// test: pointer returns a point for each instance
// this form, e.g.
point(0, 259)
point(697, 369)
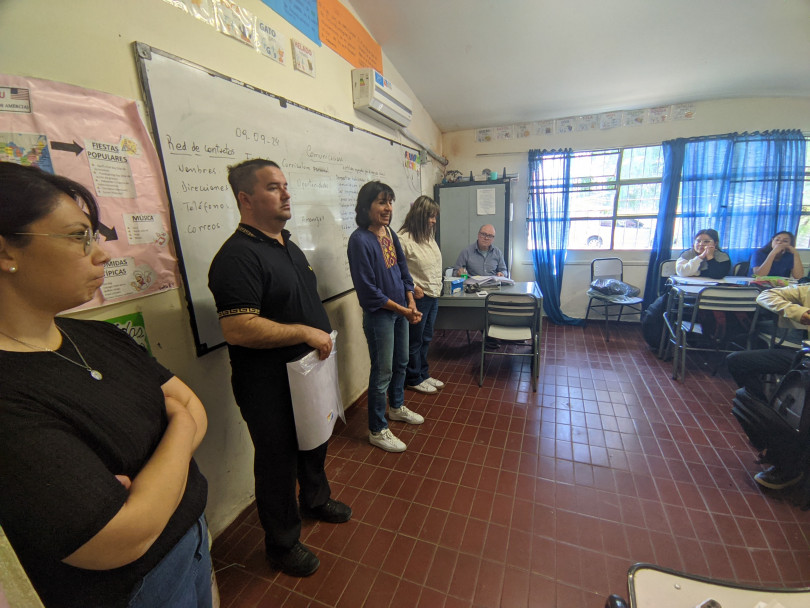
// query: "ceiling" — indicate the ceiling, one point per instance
point(482, 63)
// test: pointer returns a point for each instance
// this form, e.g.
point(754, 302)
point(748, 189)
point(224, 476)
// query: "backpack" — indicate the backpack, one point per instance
point(780, 429)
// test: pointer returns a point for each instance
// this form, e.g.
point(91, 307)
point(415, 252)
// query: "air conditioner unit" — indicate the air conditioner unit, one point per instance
point(376, 96)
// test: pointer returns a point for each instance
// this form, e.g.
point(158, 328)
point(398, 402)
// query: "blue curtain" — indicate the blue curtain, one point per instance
point(668, 203)
point(746, 186)
point(549, 186)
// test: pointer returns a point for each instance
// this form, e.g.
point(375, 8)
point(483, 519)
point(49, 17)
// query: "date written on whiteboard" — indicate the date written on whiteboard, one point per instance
point(257, 137)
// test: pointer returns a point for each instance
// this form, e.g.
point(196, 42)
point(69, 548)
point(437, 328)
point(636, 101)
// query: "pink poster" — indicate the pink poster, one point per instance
point(100, 141)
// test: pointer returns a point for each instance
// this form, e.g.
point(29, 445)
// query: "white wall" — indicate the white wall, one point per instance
point(713, 117)
point(88, 43)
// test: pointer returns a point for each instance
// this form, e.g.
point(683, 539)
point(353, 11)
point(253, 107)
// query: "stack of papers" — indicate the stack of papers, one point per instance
point(483, 281)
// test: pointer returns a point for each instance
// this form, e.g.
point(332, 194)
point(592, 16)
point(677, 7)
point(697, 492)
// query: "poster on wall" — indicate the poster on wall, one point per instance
point(100, 141)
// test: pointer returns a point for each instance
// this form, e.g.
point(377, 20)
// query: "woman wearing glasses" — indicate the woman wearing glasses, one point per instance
point(705, 258)
point(99, 494)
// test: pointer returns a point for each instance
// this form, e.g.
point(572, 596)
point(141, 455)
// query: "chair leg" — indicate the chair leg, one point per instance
point(607, 324)
point(483, 347)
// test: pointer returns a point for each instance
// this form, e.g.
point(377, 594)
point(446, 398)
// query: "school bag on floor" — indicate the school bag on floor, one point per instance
point(780, 428)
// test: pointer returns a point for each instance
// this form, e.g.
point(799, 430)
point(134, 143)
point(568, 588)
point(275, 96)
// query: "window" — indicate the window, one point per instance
point(614, 197)
point(803, 232)
point(613, 201)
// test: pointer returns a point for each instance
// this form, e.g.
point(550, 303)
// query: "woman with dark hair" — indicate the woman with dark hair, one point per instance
point(778, 258)
point(99, 493)
point(425, 264)
point(705, 258)
point(385, 290)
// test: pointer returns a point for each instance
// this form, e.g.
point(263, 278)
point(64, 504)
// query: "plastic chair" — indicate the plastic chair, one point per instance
point(684, 330)
point(666, 269)
point(514, 319)
point(610, 268)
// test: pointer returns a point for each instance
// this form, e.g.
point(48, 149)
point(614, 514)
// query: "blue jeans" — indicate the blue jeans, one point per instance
point(420, 336)
point(182, 579)
point(387, 337)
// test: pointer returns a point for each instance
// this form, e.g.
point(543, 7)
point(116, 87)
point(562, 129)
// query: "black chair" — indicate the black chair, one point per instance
point(610, 268)
point(740, 269)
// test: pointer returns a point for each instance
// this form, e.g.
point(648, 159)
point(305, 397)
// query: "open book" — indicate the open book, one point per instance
point(484, 282)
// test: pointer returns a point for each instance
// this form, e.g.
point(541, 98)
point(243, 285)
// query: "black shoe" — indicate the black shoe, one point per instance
point(298, 561)
point(775, 479)
point(332, 511)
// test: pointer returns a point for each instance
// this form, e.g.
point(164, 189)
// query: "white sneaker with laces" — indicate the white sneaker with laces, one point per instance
point(438, 384)
point(386, 440)
point(403, 414)
point(423, 387)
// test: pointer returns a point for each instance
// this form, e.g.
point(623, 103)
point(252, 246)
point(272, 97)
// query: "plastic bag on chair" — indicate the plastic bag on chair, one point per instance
point(615, 287)
point(315, 397)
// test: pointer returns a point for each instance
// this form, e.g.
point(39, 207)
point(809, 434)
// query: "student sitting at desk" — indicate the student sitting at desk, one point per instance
point(778, 258)
point(481, 258)
point(749, 367)
point(705, 258)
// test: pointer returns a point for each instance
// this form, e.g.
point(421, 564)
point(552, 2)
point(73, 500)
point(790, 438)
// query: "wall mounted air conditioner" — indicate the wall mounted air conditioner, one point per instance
point(376, 96)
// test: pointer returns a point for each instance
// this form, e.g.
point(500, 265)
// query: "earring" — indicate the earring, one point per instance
point(12, 269)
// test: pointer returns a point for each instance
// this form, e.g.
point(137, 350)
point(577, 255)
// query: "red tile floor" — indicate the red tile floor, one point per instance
point(511, 498)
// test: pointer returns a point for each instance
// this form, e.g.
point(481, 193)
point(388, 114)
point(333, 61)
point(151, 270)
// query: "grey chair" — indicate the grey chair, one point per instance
point(686, 332)
point(740, 269)
point(512, 319)
point(666, 269)
point(610, 268)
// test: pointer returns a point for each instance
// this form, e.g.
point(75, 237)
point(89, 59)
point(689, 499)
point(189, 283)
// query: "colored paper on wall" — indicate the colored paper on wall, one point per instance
point(344, 34)
point(303, 14)
point(134, 327)
point(100, 141)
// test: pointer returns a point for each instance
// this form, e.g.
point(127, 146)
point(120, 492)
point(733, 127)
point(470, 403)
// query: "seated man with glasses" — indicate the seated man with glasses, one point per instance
point(481, 258)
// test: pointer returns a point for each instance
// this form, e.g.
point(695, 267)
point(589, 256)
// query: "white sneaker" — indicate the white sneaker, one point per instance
point(403, 414)
point(423, 387)
point(433, 382)
point(386, 440)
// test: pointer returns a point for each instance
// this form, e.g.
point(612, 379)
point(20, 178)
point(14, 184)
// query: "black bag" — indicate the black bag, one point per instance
point(652, 321)
point(614, 287)
point(780, 429)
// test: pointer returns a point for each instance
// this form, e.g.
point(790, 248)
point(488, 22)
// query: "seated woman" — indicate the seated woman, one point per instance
point(99, 493)
point(705, 258)
point(778, 258)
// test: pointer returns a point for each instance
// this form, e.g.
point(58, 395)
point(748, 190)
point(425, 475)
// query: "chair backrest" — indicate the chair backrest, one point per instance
point(513, 310)
point(607, 268)
point(666, 269)
point(728, 298)
point(740, 269)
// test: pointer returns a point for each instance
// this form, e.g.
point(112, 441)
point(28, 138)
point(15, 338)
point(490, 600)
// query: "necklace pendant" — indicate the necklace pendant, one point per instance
point(95, 374)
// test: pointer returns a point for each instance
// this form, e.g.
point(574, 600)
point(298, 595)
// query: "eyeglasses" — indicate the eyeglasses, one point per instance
point(484, 235)
point(86, 237)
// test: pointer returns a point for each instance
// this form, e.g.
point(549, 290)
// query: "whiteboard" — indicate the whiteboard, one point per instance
point(205, 121)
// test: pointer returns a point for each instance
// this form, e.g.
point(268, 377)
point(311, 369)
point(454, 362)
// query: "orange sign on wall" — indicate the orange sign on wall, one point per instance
point(341, 32)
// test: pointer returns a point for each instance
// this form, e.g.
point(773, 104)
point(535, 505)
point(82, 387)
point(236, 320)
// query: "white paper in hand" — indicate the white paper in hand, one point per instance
point(315, 396)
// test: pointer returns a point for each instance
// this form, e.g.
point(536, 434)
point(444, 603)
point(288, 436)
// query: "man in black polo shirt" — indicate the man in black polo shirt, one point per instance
point(270, 312)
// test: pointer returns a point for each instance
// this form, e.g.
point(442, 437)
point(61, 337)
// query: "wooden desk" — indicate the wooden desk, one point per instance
point(466, 310)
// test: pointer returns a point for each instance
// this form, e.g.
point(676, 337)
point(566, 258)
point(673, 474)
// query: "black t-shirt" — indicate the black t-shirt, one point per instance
point(63, 438)
point(255, 274)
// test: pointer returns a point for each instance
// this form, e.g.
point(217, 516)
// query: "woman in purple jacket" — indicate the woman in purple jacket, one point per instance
point(385, 291)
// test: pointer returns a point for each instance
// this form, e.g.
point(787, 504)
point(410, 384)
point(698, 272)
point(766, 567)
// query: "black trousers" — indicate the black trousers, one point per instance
point(748, 367)
point(278, 465)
